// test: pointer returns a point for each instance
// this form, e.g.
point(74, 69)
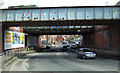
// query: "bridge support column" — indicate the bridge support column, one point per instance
point(1, 35)
point(88, 40)
point(114, 35)
point(1, 38)
point(32, 40)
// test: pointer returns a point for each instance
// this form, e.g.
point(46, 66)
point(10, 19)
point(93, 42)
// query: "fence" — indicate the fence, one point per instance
point(9, 56)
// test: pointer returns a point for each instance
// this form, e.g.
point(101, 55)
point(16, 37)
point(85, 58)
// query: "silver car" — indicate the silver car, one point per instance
point(50, 46)
point(85, 53)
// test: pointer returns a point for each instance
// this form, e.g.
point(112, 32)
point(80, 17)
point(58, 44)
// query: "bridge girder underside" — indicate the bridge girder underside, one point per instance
point(59, 23)
point(59, 31)
point(67, 31)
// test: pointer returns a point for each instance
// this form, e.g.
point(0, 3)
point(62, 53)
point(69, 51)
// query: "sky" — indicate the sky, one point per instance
point(58, 3)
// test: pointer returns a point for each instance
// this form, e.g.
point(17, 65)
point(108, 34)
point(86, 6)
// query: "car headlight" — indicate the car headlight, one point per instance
point(94, 54)
point(90, 55)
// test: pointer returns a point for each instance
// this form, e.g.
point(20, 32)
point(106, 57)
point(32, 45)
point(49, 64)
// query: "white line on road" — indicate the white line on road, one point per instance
point(27, 66)
point(58, 53)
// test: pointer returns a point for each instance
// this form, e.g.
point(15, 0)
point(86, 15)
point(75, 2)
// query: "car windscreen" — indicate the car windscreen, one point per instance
point(86, 50)
point(73, 43)
point(64, 43)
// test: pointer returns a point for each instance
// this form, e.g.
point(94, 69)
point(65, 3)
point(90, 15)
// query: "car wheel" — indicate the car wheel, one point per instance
point(83, 57)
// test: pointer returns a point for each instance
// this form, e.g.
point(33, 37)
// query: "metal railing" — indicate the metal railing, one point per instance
point(8, 56)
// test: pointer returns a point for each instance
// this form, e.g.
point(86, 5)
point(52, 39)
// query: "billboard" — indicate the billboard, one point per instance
point(14, 39)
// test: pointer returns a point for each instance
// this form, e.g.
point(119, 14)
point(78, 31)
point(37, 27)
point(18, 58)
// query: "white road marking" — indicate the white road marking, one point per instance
point(58, 53)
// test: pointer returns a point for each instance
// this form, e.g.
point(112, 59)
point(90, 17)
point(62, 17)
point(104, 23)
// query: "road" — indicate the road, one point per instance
point(67, 61)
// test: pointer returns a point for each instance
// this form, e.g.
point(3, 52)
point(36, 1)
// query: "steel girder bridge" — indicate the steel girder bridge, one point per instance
point(64, 20)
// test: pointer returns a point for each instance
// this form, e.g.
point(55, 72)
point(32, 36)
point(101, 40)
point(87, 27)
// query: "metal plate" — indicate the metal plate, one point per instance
point(90, 14)
point(45, 14)
point(98, 13)
point(10, 15)
point(19, 16)
point(81, 13)
point(36, 14)
point(27, 14)
point(53, 14)
point(62, 14)
point(72, 14)
point(4, 15)
point(108, 13)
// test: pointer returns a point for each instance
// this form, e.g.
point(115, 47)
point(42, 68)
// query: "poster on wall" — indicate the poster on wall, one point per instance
point(14, 39)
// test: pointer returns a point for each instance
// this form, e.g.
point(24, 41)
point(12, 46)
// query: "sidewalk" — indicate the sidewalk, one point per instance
point(16, 62)
point(18, 65)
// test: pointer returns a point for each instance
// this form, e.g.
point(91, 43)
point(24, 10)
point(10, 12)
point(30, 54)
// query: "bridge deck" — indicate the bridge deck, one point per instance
point(60, 14)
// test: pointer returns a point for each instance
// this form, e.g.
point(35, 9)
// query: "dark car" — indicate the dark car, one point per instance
point(85, 53)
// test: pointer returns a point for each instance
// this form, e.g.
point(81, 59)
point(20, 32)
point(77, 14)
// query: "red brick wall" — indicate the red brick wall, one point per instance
point(107, 39)
point(101, 39)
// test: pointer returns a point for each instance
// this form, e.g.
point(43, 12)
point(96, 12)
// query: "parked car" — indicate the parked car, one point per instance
point(85, 53)
point(49, 46)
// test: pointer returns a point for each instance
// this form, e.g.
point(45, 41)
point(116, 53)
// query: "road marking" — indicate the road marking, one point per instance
point(58, 53)
point(27, 66)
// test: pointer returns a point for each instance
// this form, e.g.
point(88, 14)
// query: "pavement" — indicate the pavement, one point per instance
point(17, 63)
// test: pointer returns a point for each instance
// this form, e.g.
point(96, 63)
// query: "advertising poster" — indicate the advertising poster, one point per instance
point(14, 39)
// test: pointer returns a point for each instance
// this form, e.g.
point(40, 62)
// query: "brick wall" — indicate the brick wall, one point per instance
point(107, 37)
point(104, 38)
point(101, 39)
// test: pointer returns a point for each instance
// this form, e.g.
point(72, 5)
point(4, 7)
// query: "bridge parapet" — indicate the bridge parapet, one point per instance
point(62, 13)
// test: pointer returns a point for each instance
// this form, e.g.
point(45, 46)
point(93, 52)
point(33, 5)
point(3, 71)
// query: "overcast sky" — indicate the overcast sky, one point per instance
point(54, 3)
